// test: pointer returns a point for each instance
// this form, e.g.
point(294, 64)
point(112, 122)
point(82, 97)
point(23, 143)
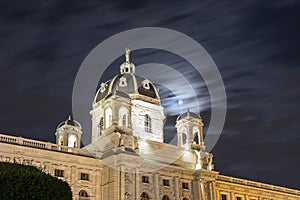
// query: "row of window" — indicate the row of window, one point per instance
point(71, 141)
point(123, 81)
point(225, 197)
point(166, 182)
point(60, 173)
point(145, 196)
point(123, 122)
point(183, 135)
point(145, 179)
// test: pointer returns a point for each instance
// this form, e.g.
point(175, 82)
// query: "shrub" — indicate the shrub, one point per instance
point(27, 182)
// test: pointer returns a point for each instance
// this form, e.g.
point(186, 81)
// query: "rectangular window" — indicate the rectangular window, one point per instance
point(84, 176)
point(223, 197)
point(185, 185)
point(59, 173)
point(145, 179)
point(238, 198)
point(166, 182)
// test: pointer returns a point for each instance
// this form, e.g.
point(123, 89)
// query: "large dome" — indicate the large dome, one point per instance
point(126, 85)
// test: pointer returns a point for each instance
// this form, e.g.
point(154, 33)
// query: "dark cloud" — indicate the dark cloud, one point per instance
point(255, 44)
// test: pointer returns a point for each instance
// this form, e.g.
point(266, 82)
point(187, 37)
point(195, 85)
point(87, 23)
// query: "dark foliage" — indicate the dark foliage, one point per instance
point(27, 182)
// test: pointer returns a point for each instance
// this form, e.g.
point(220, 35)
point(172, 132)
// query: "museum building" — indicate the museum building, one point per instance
point(127, 158)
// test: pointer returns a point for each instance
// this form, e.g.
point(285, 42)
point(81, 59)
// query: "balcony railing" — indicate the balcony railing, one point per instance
point(257, 184)
point(43, 145)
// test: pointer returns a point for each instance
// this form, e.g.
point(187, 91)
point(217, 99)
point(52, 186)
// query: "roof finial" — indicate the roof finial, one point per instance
point(127, 55)
point(127, 66)
point(69, 117)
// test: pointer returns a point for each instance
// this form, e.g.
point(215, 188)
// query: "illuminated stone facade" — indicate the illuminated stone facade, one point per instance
point(127, 158)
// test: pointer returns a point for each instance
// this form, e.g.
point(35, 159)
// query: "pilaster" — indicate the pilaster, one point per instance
point(98, 184)
point(156, 182)
point(122, 183)
point(176, 187)
point(232, 196)
point(137, 184)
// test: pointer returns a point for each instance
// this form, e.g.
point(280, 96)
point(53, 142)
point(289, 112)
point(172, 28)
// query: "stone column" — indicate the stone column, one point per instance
point(190, 135)
point(213, 187)
point(217, 195)
point(202, 189)
point(209, 185)
point(115, 113)
point(129, 117)
point(179, 138)
point(199, 137)
point(196, 189)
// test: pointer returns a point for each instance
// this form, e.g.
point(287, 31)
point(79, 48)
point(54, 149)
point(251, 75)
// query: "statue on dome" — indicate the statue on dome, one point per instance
point(127, 55)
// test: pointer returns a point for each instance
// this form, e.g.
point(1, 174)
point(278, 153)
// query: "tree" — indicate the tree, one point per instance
point(28, 182)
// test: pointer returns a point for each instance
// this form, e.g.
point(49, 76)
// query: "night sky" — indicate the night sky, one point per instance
point(255, 45)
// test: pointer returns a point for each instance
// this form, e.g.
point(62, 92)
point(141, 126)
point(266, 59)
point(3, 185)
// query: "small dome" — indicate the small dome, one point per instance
point(70, 122)
point(188, 114)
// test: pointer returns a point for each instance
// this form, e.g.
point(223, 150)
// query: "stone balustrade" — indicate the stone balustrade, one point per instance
point(43, 145)
point(257, 184)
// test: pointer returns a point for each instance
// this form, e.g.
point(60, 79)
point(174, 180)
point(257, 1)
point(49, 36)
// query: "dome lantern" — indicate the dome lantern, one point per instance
point(127, 66)
point(68, 133)
point(190, 130)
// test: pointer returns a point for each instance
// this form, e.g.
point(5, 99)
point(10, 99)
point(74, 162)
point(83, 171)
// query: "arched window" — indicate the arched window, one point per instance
point(100, 126)
point(196, 135)
point(123, 82)
point(184, 139)
point(83, 195)
point(146, 84)
point(123, 117)
point(196, 139)
point(72, 141)
point(144, 196)
point(182, 136)
point(147, 124)
point(165, 197)
point(108, 117)
point(185, 198)
point(60, 140)
point(124, 120)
